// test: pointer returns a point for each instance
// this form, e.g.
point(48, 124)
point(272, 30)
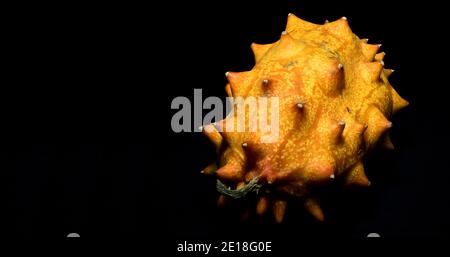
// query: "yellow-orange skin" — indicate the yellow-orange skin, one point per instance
point(345, 102)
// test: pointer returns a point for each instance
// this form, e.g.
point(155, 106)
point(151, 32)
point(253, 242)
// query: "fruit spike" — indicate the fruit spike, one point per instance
point(335, 103)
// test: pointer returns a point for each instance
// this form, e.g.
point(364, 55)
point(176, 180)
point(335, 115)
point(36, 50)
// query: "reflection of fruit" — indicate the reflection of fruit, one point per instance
point(334, 99)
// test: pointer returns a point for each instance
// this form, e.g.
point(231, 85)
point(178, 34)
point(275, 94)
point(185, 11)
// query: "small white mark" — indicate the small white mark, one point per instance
point(332, 176)
point(289, 14)
point(379, 45)
point(265, 82)
point(284, 32)
point(373, 235)
point(73, 235)
point(344, 18)
point(382, 63)
point(341, 123)
point(227, 73)
point(202, 172)
point(340, 65)
point(244, 145)
point(200, 128)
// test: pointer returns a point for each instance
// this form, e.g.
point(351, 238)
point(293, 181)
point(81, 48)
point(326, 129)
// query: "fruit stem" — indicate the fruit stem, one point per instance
point(252, 186)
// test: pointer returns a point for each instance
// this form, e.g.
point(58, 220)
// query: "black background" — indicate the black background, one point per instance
point(87, 145)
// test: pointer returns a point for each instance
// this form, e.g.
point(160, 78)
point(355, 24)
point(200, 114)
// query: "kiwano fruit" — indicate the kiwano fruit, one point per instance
point(334, 104)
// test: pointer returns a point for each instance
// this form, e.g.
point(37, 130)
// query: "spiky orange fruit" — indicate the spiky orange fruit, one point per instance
point(334, 99)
